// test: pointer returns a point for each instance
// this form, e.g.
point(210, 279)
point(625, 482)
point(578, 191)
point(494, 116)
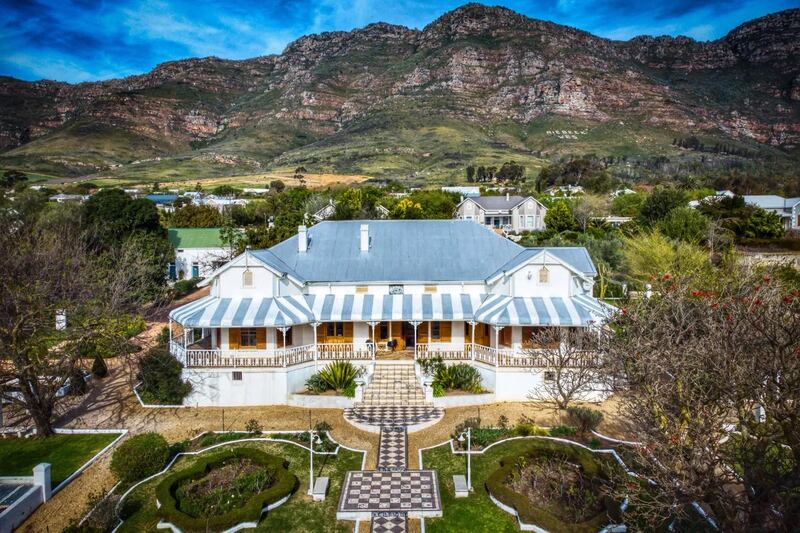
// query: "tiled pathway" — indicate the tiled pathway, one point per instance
point(391, 494)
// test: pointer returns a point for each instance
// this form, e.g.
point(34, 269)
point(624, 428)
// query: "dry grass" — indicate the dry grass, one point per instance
point(262, 180)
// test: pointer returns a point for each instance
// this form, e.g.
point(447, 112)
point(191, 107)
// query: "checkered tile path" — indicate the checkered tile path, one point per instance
point(393, 415)
point(373, 491)
point(392, 449)
point(389, 523)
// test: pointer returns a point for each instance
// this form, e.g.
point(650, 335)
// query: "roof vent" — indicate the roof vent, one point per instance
point(364, 238)
point(302, 239)
point(508, 197)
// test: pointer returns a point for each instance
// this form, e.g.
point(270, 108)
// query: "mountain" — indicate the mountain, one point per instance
point(480, 84)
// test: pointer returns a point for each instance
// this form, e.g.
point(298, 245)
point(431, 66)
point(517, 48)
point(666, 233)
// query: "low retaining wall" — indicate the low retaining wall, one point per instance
point(21, 509)
point(462, 400)
point(312, 401)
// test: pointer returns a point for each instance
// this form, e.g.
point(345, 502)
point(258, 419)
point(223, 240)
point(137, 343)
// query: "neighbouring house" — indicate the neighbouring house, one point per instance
point(465, 191)
point(219, 203)
point(365, 291)
point(716, 197)
point(163, 201)
point(61, 198)
point(564, 190)
point(198, 252)
point(786, 208)
point(621, 192)
point(329, 210)
point(511, 213)
point(614, 221)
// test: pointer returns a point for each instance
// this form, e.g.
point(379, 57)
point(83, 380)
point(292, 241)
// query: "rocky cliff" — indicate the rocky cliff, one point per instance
point(473, 68)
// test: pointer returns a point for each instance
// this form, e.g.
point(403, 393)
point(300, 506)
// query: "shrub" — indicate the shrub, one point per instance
point(253, 426)
point(339, 374)
point(140, 456)
point(459, 377)
point(563, 431)
point(502, 422)
point(430, 366)
point(77, 383)
point(526, 429)
point(531, 514)
point(322, 427)
point(584, 418)
point(350, 390)
point(185, 286)
point(438, 390)
point(284, 483)
point(316, 384)
point(99, 367)
point(160, 374)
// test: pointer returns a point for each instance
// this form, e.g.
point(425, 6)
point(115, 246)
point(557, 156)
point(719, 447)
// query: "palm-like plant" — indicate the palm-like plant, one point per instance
point(339, 374)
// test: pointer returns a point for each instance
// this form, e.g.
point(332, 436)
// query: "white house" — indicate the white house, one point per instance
point(198, 252)
point(359, 290)
point(465, 191)
point(512, 213)
point(786, 208)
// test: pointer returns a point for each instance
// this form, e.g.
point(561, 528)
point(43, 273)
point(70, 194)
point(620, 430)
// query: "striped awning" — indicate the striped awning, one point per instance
point(210, 312)
point(407, 307)
point(534, 311)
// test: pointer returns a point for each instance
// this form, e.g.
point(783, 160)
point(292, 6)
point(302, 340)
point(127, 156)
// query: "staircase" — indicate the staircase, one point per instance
point(394, 384)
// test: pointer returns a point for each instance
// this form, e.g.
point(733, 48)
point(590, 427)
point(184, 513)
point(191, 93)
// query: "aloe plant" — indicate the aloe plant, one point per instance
point(339, 374)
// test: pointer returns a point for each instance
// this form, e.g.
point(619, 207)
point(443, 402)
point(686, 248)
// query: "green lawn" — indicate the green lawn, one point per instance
point(66, 453)
point(299, 514)
point(475, 512)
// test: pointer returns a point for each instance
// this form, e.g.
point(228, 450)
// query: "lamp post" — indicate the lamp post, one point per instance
point(468, 433)
point(313, 439)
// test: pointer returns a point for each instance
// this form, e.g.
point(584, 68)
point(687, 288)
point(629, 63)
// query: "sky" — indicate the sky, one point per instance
point(86, 40)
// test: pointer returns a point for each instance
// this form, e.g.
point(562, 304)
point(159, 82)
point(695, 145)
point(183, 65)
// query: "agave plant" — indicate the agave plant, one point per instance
point(339, 374)
point(461, 377)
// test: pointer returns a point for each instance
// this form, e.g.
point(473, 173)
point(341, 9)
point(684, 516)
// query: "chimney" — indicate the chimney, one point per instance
point(508, 197)
point(302, 239)
point(364, 238)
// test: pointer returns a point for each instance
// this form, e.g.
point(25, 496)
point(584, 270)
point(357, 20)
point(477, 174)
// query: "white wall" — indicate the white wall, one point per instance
point(516, 384)
point(205, 257)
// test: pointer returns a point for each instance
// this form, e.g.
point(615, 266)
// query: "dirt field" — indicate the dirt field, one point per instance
point(262, 180)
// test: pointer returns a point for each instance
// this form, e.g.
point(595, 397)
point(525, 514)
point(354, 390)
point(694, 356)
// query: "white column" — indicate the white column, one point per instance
point(314, 326)
point(497, 345)
point(472, 327)
point(415, 324)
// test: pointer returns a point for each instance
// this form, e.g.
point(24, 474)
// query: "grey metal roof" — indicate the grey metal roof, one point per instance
point(498, 202)
point(575, 256)
point(770, 201)
point(405, 250)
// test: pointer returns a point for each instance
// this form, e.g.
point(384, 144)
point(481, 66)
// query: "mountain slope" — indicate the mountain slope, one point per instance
point(479, 84)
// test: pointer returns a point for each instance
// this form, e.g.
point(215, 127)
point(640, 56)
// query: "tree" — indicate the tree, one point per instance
point(481, 174)
point(762, 224)
point(196, 216)
point(47, 269)
point(659, 203)
point(225, 190)
point(277, 186)
point(559, 218)
point(569, 359)
point(511, 171)
point(114, 216)
point(588, 207)
point(627, 205)
point(650, 256)
point(701, 357)
point(470, 173)
point(11, 178)
point(684, 224)
point(407, 208)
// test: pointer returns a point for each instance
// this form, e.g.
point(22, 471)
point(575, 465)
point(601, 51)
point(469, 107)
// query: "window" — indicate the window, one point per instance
point(236, 375)
point(247, 278)
point(247, 338)
point(530, 223)
point(544, 275)
point(195, 270)
point(384, 331)
point(173, 272)
point(521, 221)
point(469, 217)
point(436, 330)
point(335, 329)
point(549, 375)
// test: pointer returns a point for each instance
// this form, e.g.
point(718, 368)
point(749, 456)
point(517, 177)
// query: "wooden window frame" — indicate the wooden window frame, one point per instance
point(544, 275)
point(246, 332)
point(436, 331)
point(237, 375)
point(247, 279)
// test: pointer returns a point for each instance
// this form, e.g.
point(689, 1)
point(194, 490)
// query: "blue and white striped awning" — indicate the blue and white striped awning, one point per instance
point(407, 307)
point(534, 311)
point(212, 312)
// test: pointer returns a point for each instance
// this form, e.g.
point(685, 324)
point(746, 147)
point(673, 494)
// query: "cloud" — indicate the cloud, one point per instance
point(80, 40)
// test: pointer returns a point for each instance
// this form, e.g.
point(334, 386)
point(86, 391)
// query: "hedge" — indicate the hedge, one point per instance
point(140, 456)
point(529, 513)
point(285, 483)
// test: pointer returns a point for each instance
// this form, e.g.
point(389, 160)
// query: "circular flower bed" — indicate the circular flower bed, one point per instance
point(558, 487)
point(224, 489)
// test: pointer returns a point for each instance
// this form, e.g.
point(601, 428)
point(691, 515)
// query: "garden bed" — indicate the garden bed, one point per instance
point(299, 514)
point(224, 489)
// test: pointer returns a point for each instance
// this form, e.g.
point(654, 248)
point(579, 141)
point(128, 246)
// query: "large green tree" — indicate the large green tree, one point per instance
point(559, 218)
point(659, 203)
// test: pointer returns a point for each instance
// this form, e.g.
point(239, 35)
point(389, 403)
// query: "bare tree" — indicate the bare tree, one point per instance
point(713, 377)
point(568, 357)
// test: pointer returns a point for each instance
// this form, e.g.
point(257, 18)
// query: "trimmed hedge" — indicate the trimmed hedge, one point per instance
point(140, 456)
point(529, 513)
point(285, 483)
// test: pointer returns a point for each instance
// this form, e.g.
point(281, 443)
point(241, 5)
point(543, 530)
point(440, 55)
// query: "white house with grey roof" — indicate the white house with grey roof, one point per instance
point(786, 208)
point(368, 290)
point(511, 213)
